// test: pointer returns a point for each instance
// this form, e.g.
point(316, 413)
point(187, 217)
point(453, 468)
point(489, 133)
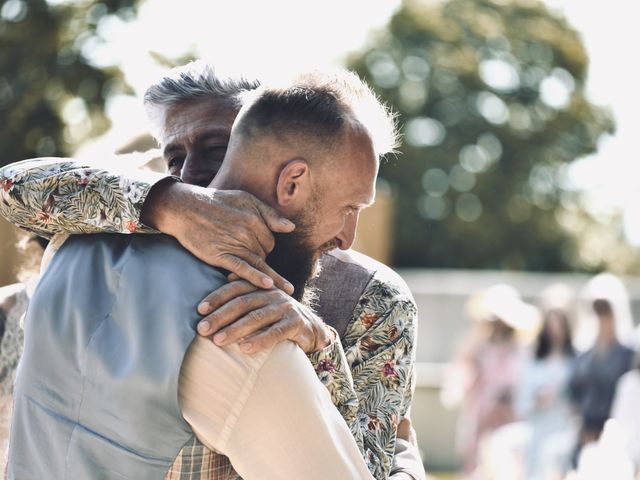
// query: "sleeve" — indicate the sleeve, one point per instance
point(372, 382)
point(56, 195)
point(332, 368)
point(407, 462)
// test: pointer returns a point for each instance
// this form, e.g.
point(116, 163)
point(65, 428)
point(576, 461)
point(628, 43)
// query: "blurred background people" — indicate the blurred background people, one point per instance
point(611, 288)
point(487, 368)
point(593, 380)
point(604, 458)
point(543, 400)
point(626, 410)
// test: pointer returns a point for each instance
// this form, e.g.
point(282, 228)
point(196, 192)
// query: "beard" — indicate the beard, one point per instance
point(294, 257)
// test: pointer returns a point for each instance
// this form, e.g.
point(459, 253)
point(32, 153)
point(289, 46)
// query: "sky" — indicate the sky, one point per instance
point(254, 37)
point(611, 37)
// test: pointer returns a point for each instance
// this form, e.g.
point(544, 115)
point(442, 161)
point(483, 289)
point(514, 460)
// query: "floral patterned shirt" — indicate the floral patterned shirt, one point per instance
point(369, 370)
point(53, 195)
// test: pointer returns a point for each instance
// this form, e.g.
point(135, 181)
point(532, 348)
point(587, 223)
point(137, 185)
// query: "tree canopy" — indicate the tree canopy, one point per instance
point(491, 100)
point(490, 96)
point(52, 96)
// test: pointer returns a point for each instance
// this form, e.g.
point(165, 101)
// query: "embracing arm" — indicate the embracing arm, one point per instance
point(57, 195)
point(229, 229)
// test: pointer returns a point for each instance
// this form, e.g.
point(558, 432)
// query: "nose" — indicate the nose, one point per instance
point(347, 235)
point(198, 170)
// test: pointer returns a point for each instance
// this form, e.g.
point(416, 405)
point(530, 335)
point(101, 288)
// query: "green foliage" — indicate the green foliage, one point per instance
point(51, 96)
point(492, 106)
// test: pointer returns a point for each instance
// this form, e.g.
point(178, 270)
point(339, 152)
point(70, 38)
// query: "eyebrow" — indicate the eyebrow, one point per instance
point(215, 133)
point(171, 148)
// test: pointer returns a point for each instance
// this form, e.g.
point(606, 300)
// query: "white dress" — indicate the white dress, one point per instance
point(625, 409)
point(552, 425)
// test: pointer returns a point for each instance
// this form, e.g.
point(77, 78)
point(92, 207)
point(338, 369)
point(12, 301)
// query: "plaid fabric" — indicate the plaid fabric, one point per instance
point(197, 462)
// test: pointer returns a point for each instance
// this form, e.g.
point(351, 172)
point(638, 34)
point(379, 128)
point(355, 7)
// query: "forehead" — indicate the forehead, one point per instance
point(353, 171)
point(188, 122)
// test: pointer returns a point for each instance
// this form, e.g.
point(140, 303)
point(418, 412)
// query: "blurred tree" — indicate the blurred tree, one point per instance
point(492, 105)
point(51, 94)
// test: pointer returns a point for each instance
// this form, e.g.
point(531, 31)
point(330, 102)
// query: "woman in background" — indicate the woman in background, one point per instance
point(543, 400)
point(483, 379)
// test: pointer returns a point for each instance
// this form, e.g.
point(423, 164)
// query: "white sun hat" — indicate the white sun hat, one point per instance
point(502, 301)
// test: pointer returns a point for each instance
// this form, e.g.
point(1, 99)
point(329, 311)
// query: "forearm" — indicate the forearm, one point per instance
point(57, 195)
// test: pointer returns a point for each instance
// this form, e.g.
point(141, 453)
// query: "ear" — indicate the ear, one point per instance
point(294, 183)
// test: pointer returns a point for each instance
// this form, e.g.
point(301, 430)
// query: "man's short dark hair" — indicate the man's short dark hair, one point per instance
point(319, 106)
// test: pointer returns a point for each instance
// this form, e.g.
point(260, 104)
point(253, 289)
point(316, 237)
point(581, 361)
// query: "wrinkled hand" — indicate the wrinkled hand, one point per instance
point(229, 229)
point(238, 311)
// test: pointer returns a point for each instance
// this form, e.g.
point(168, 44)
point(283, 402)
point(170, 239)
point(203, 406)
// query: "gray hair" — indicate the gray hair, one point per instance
point(193, 81)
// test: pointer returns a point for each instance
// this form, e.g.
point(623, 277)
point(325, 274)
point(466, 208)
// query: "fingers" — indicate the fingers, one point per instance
point(255, 271)
point(274, 221)
point(276, 333)
point(269, 316)
point(224, 294)
point(279, 281)
point(245, 270)
point(234, 309)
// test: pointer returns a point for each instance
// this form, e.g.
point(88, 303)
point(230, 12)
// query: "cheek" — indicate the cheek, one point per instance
point(325, 231)
point(336, 224)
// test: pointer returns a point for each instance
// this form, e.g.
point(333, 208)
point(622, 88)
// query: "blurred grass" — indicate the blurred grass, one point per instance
point(443, 476)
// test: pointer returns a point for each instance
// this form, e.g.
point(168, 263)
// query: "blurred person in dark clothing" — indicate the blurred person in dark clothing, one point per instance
point(593, 380)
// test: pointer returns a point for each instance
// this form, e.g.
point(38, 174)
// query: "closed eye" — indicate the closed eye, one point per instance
point(215, 152)
point(175, 164)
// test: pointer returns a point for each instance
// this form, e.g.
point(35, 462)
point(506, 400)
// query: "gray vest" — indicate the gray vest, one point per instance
point(96, 394)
